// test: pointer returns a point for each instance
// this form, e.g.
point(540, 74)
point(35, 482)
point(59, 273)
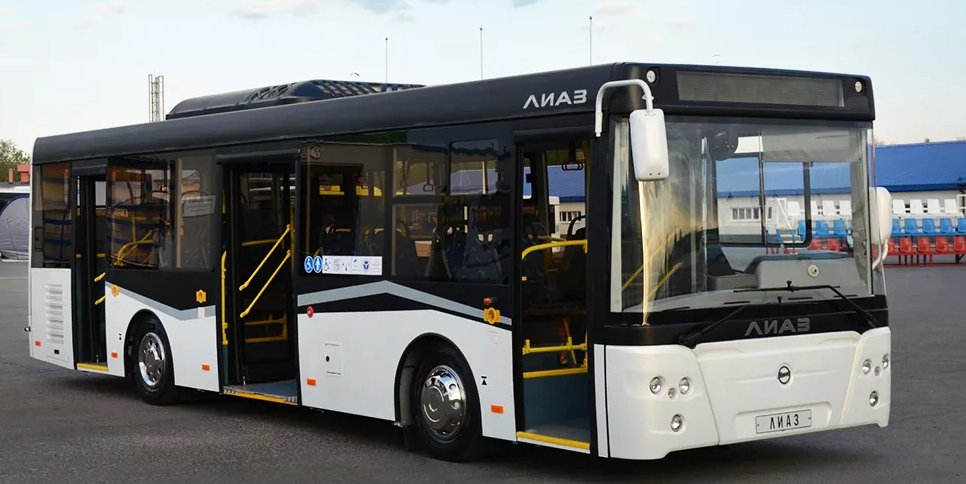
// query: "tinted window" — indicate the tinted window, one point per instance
point(52, 216)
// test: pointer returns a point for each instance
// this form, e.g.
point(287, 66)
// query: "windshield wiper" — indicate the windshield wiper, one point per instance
point(689, 338)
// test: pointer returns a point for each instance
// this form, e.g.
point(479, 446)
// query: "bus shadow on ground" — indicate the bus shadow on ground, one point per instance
point(798, 454)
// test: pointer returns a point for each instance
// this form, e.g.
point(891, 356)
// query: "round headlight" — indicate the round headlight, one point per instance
point(685, 385)
point(874, 398)
point(656, 385)
point(866, 366)
point(885, 361)
point(677, 422)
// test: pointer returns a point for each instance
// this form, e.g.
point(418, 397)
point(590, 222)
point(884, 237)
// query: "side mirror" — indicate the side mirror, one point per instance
point(881, 214)
point(649, 145)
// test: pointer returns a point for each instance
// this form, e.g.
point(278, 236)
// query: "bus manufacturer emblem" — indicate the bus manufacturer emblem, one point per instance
point(784, 375)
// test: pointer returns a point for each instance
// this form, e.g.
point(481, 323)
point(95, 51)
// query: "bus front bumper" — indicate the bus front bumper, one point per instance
point(745, 390)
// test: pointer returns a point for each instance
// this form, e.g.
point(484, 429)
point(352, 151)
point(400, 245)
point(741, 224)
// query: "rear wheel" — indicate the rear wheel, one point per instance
point(151, 366)
point(446, 408)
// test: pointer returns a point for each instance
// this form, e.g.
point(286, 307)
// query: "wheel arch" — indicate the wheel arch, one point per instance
point(407, 365)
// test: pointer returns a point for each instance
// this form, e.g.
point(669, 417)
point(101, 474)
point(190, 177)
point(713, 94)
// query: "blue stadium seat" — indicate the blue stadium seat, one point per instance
point(961, 226)
point(838, 228)
point(911, 227)
point(801, 229)
point(896, 228)
point(946, 226)
point(821, 228)
point(929, 226)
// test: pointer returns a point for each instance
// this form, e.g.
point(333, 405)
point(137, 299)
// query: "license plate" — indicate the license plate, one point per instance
point(780, 422)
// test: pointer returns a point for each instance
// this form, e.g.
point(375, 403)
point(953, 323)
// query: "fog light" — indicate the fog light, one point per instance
point(677, 422)
point(885, 361)
point(685, 385)
point(866, 366)
point(858, 86)
point(656, 385)
point(874, 398)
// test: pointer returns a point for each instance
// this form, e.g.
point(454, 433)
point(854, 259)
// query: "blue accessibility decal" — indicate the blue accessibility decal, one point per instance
point(318, 264)
point(308, 265)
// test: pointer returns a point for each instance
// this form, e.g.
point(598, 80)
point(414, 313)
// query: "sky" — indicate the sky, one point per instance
point(75, 65)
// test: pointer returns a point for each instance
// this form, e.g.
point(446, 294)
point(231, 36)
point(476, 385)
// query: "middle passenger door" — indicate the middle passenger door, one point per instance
point(403, 235)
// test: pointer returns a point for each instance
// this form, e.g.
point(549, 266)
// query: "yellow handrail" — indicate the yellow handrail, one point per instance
point(98, 278)
point(100, 300)
point(224, 309)
point(270, 252)
point(244, 313)
point(550, 245)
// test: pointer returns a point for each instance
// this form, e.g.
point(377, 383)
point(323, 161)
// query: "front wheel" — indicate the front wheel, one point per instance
point(151, 367)
point(446, 408)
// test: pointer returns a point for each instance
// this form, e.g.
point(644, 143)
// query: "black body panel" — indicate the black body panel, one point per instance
point(567, 91)
point(176, 289)
point(665, 327)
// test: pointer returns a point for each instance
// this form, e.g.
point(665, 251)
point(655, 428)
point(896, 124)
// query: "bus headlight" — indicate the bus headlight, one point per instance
point(685, 385)
point(677, 422)
point(873, 398)
point(866, 366)
point(656, 385)
point(885, 361)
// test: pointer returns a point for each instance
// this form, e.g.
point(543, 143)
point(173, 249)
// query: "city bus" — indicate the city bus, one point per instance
point(386, 250)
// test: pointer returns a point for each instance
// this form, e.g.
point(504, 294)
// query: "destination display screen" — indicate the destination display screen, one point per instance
point(760, 89)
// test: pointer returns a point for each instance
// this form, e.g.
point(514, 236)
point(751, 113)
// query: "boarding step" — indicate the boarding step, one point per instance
point(285, 391)
point(97, 366)
point(573, 434)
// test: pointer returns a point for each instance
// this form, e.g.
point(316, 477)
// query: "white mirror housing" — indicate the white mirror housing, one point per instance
point(881, 214)
point(649, 144)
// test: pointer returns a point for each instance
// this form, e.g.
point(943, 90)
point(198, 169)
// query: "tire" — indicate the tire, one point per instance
point(152, 368)
point(443, 381)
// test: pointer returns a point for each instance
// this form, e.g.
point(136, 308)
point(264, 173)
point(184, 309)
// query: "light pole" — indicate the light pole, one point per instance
point(591, 40)
point(481, 52)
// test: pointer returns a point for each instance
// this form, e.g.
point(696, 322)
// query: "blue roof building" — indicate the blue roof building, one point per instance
point(898, 168)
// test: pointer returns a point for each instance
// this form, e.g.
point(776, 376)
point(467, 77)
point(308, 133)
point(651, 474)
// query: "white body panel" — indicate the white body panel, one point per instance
point(192, 337)
point(51, 337)
point(365, 350)
point(735, 381)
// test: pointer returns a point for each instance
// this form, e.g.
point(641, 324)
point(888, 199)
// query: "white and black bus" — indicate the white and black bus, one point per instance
point(387, 251)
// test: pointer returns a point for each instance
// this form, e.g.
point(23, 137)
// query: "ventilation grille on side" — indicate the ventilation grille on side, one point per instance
point(54, 309)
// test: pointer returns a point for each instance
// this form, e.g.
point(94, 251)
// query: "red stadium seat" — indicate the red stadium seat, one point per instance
point(834, 245)
point(905, 245)
point(959, 244)
point(892, 245)
point(815, 245)
point(942, 245)
point(924, 245)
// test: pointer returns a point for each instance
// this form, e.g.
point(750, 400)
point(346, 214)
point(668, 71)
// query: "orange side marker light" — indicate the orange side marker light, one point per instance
point(310, 382)
point(205, 367)
point(114, 354)
point(496, 409)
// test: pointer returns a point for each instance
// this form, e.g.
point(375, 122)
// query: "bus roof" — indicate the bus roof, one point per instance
point(570, 91)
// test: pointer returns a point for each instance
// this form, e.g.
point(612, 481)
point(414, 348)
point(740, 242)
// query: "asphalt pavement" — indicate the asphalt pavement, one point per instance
point(66, 426)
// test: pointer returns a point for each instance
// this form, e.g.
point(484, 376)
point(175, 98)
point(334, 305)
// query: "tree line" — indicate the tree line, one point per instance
point(11, 156)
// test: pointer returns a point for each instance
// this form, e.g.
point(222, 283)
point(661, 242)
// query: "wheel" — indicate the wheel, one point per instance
point(151, 365)
point(446, 408)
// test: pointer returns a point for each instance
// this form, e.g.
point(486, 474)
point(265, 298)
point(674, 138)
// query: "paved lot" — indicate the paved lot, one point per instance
point(63, 426)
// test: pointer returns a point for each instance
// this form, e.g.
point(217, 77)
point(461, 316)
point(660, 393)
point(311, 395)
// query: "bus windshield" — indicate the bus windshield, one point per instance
point(741, 194)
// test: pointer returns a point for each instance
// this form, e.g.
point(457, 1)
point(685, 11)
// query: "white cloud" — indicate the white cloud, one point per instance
point(604, 25)
point(104, 11)
point(618, 9)
point(261, 9)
